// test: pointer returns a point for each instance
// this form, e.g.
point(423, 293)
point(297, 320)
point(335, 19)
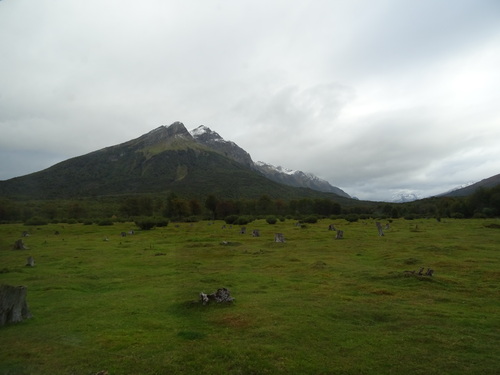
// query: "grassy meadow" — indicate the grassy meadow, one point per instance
point(312, 305)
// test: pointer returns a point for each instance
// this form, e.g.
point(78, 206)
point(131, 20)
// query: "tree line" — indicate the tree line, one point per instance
point(483, 203)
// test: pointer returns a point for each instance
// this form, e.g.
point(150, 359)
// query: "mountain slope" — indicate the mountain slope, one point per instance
point(213, 140)
point(297, 179)
point(470, 189)
point(166, 159)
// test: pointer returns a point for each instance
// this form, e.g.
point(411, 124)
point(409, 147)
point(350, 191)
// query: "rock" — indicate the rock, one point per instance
point(221, 295)
point(13, 306)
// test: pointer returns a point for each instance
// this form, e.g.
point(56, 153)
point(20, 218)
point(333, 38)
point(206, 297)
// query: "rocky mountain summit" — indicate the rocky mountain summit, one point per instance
point(213, 140)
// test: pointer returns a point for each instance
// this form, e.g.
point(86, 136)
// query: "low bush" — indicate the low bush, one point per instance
point(271, 220)
point(145, 223)
point(231, 219)
point(105, 222)
point(36, 221)
point(243, 220)
point(160, 222)
point(312, 219)
point(352, 218)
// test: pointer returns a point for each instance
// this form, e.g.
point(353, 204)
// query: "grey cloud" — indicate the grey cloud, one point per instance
point(371, 96)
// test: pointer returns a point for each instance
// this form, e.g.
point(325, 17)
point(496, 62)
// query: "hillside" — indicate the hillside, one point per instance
point(470, 189)
point(166, 159)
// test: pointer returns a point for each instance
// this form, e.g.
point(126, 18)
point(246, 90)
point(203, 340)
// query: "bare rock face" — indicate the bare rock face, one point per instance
point(164, 135)
point(207, 137)
point(13, 306)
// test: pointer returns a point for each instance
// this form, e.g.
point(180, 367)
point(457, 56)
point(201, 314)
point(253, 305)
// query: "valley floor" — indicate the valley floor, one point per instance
point(311, 305)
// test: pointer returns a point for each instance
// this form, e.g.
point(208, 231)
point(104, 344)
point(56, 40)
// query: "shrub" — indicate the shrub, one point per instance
point(231, 219)
point(243, 220)
point(145, 223)
point(160, 222)
point(105, 222)
point(271, 220)
point(36, 221)
point(352, 218)
point(312, 219)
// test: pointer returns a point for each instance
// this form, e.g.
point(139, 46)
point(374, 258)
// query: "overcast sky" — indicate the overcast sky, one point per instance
point(376, 96)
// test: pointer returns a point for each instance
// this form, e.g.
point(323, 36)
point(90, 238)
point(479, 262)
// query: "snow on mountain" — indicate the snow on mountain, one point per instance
point(278, 169)
point(404, 196)
point(297, 178)
point(463, 186)
point(204, 135)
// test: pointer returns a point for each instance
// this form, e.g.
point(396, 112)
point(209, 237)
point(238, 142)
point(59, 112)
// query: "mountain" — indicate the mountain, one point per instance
point(404, 197)
point(297, 178)
point(168, 158)
point(213, 140)
point(209, 138)
point(471, 188)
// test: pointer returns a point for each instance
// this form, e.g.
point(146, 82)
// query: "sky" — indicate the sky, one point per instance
point(379, 97)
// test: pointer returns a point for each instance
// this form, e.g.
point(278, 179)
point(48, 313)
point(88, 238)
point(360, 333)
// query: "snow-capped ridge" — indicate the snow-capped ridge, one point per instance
point(204, 135)
point(200, 130)
point(467, 184)
point(297, 178)
point(279, 168)
point(404, 196)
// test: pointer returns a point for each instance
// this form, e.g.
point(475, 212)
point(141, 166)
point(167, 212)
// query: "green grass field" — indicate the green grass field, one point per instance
point(312, 305)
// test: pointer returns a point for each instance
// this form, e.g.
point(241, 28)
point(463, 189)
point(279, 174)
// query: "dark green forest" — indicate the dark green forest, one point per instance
point(483, 203)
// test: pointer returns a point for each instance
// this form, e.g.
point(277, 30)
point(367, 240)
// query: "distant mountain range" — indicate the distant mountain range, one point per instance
point(169, 158)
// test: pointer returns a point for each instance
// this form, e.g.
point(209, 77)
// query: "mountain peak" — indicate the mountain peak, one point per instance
point(204, 134)
point(166, 132)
